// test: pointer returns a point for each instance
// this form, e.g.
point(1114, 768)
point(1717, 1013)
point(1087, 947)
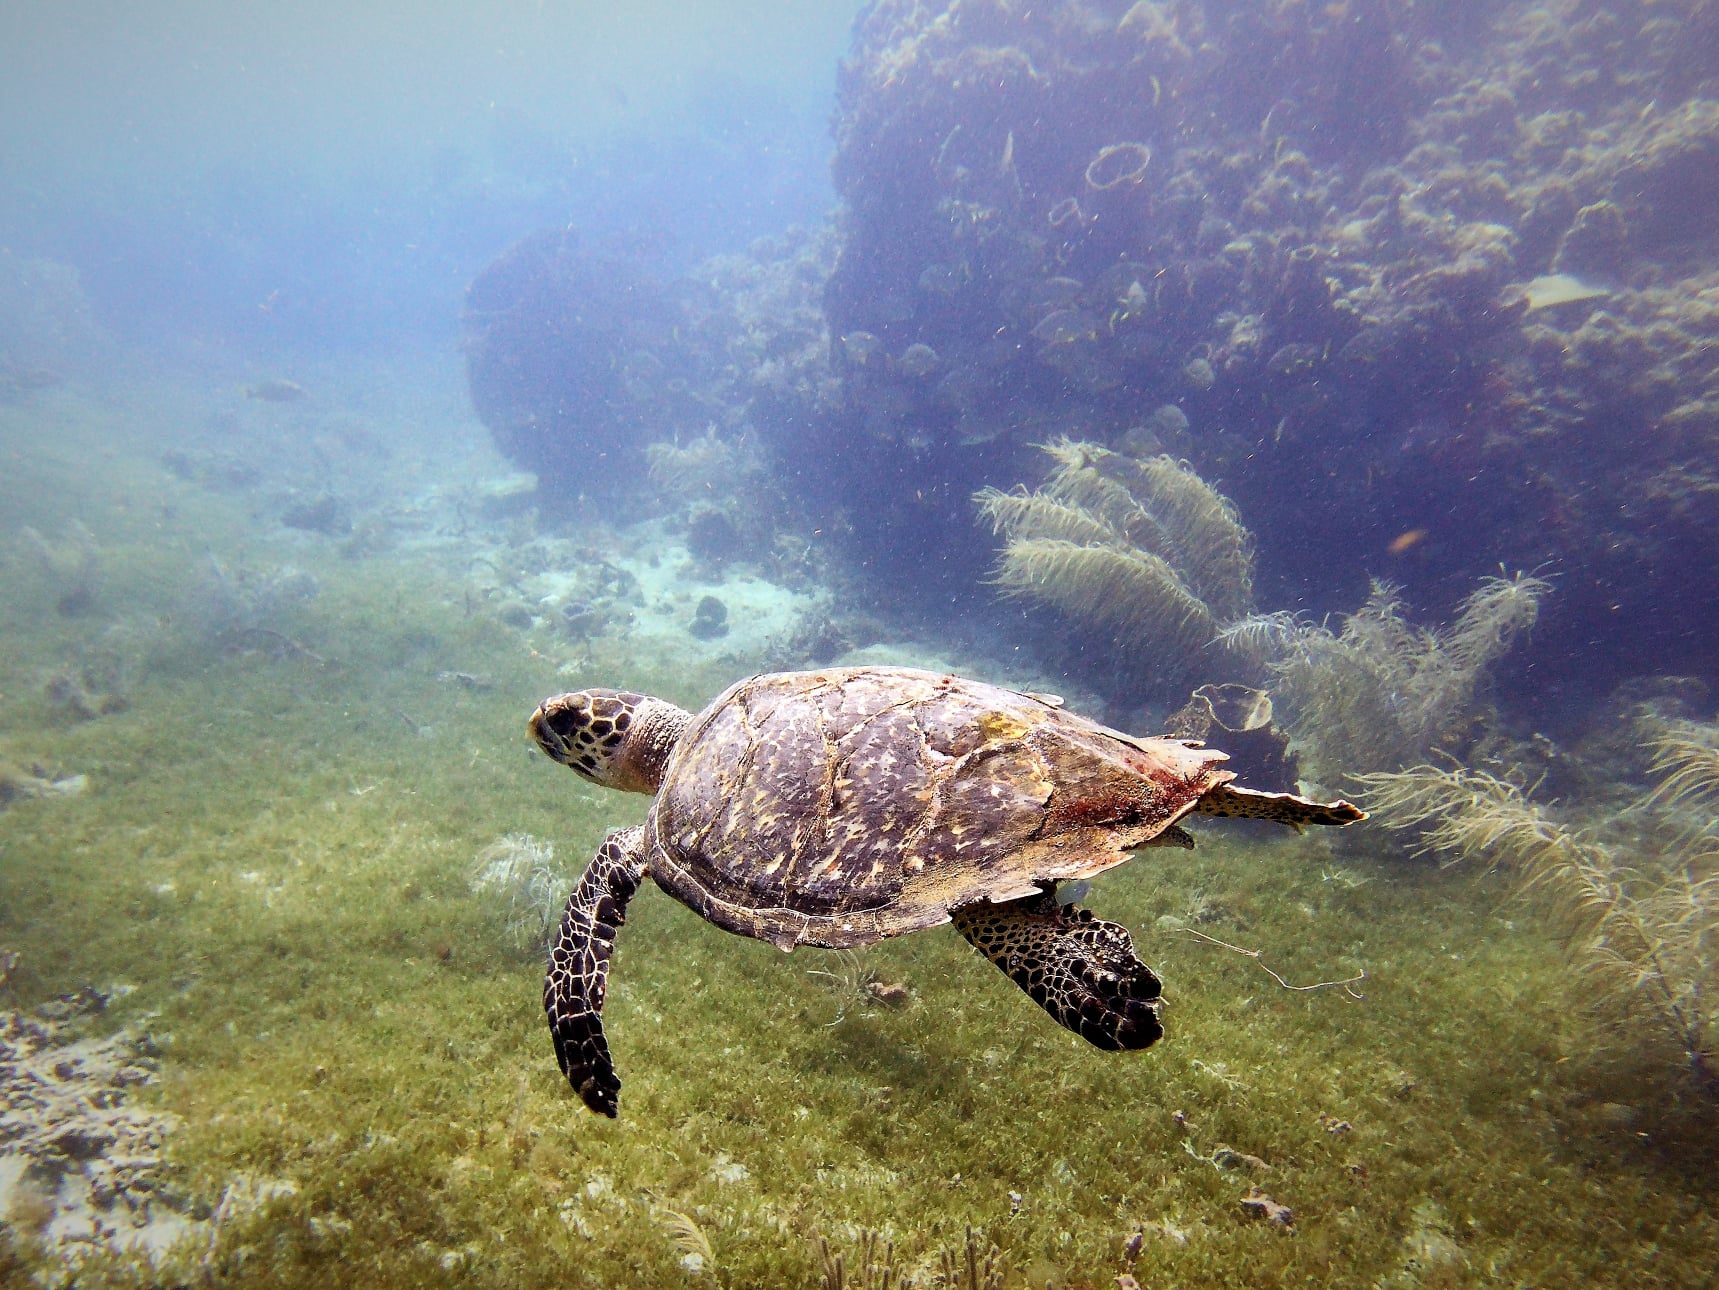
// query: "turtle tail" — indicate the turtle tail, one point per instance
point(1286, 808)
point(578, 977)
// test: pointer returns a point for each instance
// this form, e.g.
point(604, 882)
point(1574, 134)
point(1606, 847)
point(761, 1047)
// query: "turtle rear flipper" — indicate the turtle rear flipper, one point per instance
point(1286, 808)
point(1080, 969)
point(578, 975)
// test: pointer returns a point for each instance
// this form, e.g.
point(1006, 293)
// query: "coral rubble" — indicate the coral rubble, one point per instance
point(82, 1168)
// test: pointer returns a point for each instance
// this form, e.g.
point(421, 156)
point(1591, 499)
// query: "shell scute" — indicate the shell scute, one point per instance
point(954, 725)
point(847, 706)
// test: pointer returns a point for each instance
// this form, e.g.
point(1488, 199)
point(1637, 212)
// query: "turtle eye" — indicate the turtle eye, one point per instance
point(565, 724)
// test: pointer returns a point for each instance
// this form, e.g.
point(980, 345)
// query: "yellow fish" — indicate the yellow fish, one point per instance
point(1405, 542)
point(275, 390)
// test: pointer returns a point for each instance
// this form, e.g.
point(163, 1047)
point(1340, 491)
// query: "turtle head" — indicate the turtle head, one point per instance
point(611, 737)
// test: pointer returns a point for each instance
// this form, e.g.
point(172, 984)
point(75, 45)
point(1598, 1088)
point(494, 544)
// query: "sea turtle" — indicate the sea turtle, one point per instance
point(842, 806)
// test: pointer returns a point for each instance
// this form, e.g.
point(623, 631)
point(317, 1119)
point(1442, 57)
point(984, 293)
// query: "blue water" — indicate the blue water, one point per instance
point(334, 175)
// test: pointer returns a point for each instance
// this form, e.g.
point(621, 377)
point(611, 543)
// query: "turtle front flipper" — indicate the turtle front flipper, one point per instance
point(578, 976)
point(1080, 969)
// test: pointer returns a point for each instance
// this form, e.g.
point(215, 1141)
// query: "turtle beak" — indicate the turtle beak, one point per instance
point(551, 728)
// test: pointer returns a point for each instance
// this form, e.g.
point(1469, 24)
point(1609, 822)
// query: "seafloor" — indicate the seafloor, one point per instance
point(295, 745)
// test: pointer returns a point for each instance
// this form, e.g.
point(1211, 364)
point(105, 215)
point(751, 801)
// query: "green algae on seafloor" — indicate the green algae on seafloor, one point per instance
point(276, 853)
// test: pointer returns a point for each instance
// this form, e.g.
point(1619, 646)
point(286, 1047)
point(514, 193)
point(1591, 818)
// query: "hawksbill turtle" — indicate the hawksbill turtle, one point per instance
point(843, 806)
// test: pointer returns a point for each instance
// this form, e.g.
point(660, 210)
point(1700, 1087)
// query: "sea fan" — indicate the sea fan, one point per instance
point(1381, 693)
point(706, 465)
point(1146, 550)
point(1686, 755)
point(696, 1255)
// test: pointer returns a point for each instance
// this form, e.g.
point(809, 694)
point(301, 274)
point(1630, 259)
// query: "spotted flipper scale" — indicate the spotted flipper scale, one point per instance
point(578, 977)
point(1286, 808)
point(1080, 969)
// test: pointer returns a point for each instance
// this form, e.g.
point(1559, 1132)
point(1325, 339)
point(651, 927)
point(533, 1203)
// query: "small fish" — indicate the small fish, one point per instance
point(1067, 893)
point(918, 359)
point(275, 390)
point(1295, 360)
point(861, 346)
point(1405, 542)
point(1065, 327)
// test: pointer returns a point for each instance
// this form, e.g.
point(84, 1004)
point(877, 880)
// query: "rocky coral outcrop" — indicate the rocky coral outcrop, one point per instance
point(1380, 272)
point(1311, 230)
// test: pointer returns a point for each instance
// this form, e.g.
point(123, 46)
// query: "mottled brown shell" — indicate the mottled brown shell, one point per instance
point(844, 806)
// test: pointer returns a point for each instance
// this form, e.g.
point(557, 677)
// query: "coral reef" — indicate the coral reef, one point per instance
point(1402, 276)
point(1380, 693)
point(754, 326)
point(567, 346)
point(1315, 231)
point(587, 367)
point(728, 499)
point(1145, 550)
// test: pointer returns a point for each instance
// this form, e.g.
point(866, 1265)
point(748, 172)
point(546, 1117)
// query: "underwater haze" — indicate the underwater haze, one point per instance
point(1208, 505)
point(352, 166)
